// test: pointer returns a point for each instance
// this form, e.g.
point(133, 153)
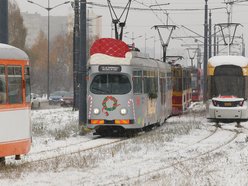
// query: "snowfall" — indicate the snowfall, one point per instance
point(186, 150)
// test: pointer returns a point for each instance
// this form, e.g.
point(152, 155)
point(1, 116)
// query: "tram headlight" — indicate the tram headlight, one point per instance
point(215, 103)
point(241, 103)
point(123, 111)
point(96, 111)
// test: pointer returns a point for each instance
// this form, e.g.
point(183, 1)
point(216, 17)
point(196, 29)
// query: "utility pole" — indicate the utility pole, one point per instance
point(82, 67)
point(243, 46)
point(76, 55)
point(210, 35)
point(205, 52)
point(4, 38)
point(215, 35)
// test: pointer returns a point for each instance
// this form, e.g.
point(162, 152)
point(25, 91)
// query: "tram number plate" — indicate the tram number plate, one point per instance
point(228, 104)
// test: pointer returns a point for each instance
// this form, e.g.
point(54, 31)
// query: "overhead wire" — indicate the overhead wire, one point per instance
point(160, 9)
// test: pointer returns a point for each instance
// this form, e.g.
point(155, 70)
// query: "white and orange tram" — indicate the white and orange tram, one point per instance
point(15, 124)
point(126, 89)
point(228, 88)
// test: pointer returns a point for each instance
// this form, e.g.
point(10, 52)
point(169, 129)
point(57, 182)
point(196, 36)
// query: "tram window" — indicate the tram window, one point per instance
point(15, 84)
point(150, 82)
point(162, 81)
point(110, 84)
point(146, 82)
point(27, 81)
point(194, 82)
point(169, 81)
point(177, 84)
point(2, 85)
point(137, 82)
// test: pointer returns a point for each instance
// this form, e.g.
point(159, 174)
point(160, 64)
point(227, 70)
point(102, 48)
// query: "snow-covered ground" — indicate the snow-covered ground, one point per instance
point(186, 150)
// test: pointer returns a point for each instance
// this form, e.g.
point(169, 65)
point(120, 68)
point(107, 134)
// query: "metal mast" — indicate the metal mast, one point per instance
point(4, 38)
point(205, 52)
point(76, 54)
point(117, 20)
point(164, 44)
point(82, 67)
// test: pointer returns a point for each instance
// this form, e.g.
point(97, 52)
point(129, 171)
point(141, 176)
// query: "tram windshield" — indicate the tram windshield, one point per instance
point(228, 81)
point(110, 84)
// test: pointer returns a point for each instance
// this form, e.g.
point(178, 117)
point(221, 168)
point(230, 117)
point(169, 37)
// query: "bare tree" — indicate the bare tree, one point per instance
point(38, 63)
point(17, 30)
point(61, 71)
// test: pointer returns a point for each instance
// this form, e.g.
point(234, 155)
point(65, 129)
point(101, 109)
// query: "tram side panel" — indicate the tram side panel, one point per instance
point(15, 133)
point(182, 91)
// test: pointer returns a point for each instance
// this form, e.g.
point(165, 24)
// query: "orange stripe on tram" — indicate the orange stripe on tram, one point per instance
point(122, 121)
point(15, 147)
point(96, 121)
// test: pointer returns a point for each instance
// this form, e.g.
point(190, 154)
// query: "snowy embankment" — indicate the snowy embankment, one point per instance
point(186, 150)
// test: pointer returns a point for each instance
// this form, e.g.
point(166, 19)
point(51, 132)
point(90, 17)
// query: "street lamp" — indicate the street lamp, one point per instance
point(48, 36)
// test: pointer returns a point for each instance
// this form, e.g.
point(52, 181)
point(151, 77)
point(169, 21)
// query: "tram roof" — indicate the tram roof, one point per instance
point(109, 51)
point(132, 58)
point(228, 60)
point(11, 52)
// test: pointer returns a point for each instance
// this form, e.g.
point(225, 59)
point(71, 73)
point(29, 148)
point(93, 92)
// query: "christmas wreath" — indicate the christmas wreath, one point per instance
point(113, 107)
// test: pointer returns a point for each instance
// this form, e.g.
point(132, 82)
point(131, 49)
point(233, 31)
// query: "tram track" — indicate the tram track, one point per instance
point(197, 142)
point(62, 151)
point(79, 150)
point(160, 170)
point(77, 144)
point(59, 148)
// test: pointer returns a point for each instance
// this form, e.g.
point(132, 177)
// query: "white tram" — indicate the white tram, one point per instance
point(15, 125)
point(126, 89)
point(227, 88)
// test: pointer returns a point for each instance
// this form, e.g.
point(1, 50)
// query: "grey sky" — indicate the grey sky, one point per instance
point(31, 8)
point(140, 22)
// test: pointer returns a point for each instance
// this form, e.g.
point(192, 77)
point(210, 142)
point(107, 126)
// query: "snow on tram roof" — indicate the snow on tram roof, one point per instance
point(11, 52)
point(228, 60)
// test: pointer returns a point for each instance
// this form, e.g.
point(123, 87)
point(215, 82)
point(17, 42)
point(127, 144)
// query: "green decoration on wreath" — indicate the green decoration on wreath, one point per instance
point(113, 107)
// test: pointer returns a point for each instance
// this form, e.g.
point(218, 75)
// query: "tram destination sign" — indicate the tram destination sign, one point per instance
point(109, 68)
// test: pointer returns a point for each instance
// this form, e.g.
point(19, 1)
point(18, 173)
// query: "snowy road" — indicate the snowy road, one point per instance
point(186, 150)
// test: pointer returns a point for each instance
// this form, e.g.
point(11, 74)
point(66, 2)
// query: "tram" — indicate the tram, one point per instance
point(227, 88)
point(196, 83)
point(127, 90)
point(15, 132)
point(182, 91)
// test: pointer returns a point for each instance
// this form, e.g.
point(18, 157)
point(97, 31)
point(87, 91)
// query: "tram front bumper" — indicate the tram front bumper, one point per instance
point(235, 113)
point(128, 124)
